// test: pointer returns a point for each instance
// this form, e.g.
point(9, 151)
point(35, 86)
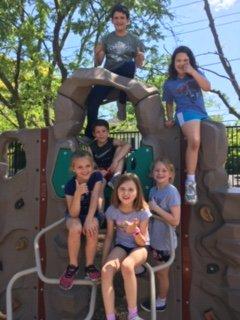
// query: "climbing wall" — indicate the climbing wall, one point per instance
point(204, 276)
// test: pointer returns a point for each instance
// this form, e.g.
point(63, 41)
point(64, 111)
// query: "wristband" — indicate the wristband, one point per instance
point(136, 231)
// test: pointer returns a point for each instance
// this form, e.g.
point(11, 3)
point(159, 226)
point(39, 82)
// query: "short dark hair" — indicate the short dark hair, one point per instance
point(120, 8)
point(172, 72)
point(100, 123)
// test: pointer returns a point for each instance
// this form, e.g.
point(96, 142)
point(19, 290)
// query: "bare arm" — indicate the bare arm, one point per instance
point(172, 218)
point(141, 237)
point(108, 240)
point(99, 54)
point(122, 150)
point(74, 202)
point(139, 58)
point(203, 83)
point(169, 122)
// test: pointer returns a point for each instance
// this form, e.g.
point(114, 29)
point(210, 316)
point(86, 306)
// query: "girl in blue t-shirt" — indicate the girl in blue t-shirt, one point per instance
point(82, 193)
point(129, 213)
point(164, 201)
point(184, 87)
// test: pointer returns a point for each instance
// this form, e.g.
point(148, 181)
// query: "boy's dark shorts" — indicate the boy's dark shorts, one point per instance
point(160, 255)
point(100, 217)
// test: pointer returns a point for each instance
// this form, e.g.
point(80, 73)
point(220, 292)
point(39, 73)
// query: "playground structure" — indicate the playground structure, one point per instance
point(205, 280)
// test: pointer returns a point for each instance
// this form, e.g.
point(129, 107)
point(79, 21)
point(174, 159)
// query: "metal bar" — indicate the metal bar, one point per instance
point(9, 289)
point(153, 270)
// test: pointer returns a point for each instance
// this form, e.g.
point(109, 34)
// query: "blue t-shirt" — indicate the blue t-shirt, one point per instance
point(70, 189)
point(186, 93)
point(165, 198)
point(119, 217)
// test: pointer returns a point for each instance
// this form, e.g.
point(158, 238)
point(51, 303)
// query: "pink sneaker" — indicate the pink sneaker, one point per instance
point(92, 273)
point(66, 280)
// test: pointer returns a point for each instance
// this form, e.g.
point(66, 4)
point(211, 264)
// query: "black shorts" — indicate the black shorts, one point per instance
point(160, 255)
point(126, 249)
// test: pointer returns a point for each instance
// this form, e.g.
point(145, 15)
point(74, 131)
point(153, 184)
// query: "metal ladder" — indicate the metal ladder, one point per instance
point(38, 270)
point(151, 270)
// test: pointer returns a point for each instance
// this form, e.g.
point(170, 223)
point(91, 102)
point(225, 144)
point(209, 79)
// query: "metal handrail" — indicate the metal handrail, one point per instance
point(38, 270)
point(153, 270)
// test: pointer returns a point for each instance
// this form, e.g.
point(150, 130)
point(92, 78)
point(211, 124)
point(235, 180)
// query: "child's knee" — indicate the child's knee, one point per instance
point(108, 270)
point(127, 267)
point(74, 228)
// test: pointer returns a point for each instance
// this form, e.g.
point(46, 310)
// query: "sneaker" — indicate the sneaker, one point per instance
point(66, 280)
point(92, 273)
point(136, 318)
point(121, 114)
point(146, 305)
point(191, 192)
point(112, 183)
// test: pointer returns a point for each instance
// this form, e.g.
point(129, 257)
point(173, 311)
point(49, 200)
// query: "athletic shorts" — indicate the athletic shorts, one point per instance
point(160, 255)
point(187, 116)
point(126, 249)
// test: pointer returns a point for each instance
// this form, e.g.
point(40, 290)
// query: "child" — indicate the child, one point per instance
point(183, 86)
point(123, 53)
point(107, 152)
point(164, 202)
point(129, 213)
point(82, 193)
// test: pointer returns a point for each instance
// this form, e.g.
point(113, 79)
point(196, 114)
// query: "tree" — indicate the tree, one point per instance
point(34, 38)
point(225, 63)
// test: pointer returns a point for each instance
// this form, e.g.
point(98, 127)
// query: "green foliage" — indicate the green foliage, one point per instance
point(35, 59)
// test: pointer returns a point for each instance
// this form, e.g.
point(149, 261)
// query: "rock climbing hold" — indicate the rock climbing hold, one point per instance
point(206, 214)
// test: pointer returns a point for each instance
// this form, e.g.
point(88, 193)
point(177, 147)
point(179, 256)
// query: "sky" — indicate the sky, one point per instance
point(191, 28)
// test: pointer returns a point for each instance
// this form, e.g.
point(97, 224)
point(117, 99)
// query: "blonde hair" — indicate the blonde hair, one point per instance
point(79, 155)
point(139, 202)
point(168, 164)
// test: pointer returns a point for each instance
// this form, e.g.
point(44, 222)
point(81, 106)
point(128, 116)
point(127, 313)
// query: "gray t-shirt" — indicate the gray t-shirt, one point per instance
point(120, 49)
point(165, 198)
point(119, 217)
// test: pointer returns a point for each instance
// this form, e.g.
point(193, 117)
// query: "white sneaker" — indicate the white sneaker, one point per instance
point(191, 192)
point(121, 114)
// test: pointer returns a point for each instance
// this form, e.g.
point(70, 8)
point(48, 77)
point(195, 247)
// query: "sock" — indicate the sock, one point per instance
point(111, 316)
point(160, 302)
point(132, 312)
point(190, 178)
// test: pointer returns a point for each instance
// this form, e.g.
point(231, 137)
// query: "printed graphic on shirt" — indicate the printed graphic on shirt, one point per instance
point(190, 89)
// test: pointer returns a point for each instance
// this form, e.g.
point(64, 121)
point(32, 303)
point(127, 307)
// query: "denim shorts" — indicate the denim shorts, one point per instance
point(126, 249)
point(187, 116)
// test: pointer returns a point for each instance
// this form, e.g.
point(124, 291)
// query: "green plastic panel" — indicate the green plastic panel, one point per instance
point(62, 172)
point(139, 162)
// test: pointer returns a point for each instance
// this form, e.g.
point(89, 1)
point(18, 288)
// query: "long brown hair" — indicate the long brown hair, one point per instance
point(139, 202)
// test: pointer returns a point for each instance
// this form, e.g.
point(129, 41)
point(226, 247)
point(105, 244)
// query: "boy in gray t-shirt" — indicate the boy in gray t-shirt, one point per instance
point(123, 52)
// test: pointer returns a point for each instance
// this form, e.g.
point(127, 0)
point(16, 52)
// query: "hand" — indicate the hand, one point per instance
point(139, 58)
point(90, 227)
point(81, 188)
point(129, 227)
point(169, 123)
point(103, 172)
point(153, 205)
point(188, 68)
point(113, 166)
